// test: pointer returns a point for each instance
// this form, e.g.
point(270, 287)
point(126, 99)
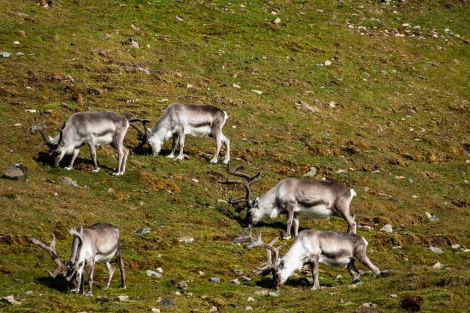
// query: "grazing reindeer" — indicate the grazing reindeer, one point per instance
point(312, 198)
point(92, 129)
point(312, 247)
point(98, 243)
point(179, 120)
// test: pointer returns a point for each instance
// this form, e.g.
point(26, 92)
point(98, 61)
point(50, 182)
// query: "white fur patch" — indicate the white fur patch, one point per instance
point(103, 140)
point(316, 212)
point(202, 131)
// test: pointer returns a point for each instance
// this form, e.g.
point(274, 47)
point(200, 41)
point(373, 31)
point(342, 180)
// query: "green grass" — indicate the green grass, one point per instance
point(398, 132)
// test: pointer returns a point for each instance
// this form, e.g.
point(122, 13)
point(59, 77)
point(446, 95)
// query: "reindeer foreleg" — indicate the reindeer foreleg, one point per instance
point(314, 264)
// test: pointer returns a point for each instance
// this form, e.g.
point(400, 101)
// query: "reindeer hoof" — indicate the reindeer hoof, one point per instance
point(171, 156)
point(68, 168)
point(214, 161)
point(226, 161)
point(122, 287)
point(180, 157)
point(286, 237)
point(315, 288)
point(89, 294)
point(96, 170)
point(383, 274)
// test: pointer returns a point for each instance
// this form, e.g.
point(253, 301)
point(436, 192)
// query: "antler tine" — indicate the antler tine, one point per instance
point(247, 184)
point(141, 134)
point(51, 250)
point(40, 129)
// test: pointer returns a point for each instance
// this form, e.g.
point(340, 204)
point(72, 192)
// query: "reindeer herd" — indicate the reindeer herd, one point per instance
point(315, 199)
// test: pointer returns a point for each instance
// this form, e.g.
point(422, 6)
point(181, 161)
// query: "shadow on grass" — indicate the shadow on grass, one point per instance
point(59, 284)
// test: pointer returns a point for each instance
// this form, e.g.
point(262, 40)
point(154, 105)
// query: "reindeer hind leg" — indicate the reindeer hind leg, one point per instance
point(110, 274)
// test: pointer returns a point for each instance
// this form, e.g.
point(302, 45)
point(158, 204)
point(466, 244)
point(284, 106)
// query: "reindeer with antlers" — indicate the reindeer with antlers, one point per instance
point(98, 243)
point(312, 198)
point(312, 247)
point(180, 120)
point(88, 128)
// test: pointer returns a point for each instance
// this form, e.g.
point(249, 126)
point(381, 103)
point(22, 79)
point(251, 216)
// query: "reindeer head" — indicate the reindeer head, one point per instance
point(273, 264)
point(62, 270)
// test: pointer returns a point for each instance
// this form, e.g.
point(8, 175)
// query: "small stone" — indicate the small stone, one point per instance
point(394, 295)
point(142, 231)
point(235, 281)
point(166, 302)
point(312, 172)
point(6, 54)
point(248, 308)
point(274, 293)
point(155, 310)
point(328, 63)
point(123, 298)
point(387, 228)
point(277, 20)
point(213, 309)
point(250, 299)
point(68, 181)
point(153, 273)
point(259, 92)
point(182, 285)
point(235, 86)
point(435, 249)
point(214, 279)
point(437, 266)
point(17, 172)
point(11, 300)
point(16, 42)
point(263, 292)
point(186, 239)
point(244, 278)
point(456, 246)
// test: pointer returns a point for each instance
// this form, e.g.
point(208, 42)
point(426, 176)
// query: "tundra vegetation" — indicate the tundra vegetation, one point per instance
point(372, 94)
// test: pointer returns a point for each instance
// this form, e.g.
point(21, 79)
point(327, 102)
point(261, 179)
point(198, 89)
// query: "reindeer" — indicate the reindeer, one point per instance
point(179, 120)
point(312, 198)
point(88, 128)
point(312, 247)
point(98, 243)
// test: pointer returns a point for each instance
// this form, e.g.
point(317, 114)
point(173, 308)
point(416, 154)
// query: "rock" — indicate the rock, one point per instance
point(328, 63)
point(6, 54)
point(152, 273)
point(456, 246)
point(235, 281)
point(276, 20)
point(155, 310)
point(214, 279)
point(248, 308)
point(213, 309)
point(67, 181)
point(186, 239)
point(250, 299)
point(244, 278)
point(312, 172)
point(259, 92)
point(123, 298)
point(274, 293)
point(235, 86)
point(166, 302)
point(263, 292)
point(435, 249)
point(142, 231)
point(437, 266)
point(11, 300)
point(182, 285)
point(17, 172)
point(387, 228)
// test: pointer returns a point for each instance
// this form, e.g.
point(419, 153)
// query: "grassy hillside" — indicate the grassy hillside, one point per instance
point(371, 94)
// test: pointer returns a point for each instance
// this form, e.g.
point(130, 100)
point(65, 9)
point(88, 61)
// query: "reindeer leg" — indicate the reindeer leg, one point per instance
point(75, 153)
point(296, 224)
point(121, 269)
point(93, 157)
point(181, 142)
point(290, 219)
point(110, 274)
point(314, 267)
point(176, 139)
point(218, 144)
point(353, 271)
point(227, 147)
point(91, 269)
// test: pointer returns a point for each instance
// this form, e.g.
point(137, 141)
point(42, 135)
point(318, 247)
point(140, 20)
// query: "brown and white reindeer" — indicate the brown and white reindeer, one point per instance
point(312, 247)
point(88, 128)
point(312, 198)
point(180, 120)
point(98, 243)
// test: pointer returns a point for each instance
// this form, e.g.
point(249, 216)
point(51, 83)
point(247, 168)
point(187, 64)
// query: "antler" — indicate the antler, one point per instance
point(40, 128)
point(74, 232)
point(61, 268)
point(247, 184)
point(142, 135)
point(270, 264)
